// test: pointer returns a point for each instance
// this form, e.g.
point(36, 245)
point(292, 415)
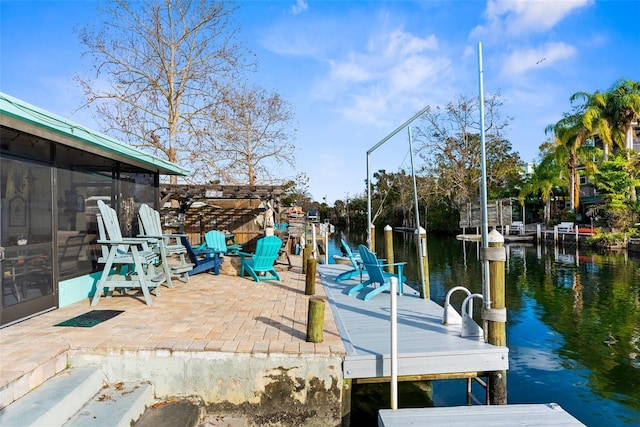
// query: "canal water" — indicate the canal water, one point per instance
point(573, 327)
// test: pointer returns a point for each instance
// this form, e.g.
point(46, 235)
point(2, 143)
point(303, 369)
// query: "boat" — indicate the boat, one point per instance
point(339, 259)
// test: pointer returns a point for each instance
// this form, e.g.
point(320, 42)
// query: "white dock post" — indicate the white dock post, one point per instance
point(314, 242)
point(326, 244)
point(394, 342)
point(538, 228)
point(423, 262)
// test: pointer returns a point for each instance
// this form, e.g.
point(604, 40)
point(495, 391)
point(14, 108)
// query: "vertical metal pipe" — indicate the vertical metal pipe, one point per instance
point(314, 242)
point(369, 238)
point(483, 187)
point(326, 244)
point(394, 342)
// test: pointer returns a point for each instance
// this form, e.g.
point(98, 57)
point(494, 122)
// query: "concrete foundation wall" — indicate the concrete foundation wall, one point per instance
point(266, 389)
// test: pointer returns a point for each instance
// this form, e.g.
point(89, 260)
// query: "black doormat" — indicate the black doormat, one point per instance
point(90, 319)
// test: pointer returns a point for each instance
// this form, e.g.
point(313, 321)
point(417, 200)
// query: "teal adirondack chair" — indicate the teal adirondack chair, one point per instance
point(355, 262)
point(260, 264)
point(377, 275)
point(129, 262)
point(217, 241)
point(164, 245)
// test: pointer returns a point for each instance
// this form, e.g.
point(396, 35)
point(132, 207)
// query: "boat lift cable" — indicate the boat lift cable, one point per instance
point(422, 246)
point(371, 150)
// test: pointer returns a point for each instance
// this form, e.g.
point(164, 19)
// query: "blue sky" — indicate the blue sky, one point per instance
point(353, 71)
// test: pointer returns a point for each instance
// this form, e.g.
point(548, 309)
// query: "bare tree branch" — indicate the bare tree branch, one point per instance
point(158, 73)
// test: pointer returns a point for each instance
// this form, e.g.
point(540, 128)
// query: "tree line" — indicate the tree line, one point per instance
point(594, 140)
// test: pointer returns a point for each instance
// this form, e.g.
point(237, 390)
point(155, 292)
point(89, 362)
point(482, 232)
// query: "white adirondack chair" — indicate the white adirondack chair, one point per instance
point(129, 263)
point(164, 245)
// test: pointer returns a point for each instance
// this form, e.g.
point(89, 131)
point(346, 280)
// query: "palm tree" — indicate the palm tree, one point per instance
point(569, 135)
point(611, 115)
point(546, 177)
point(625, 111)
point(624, 100)
point(571, 150)
point(595, 118)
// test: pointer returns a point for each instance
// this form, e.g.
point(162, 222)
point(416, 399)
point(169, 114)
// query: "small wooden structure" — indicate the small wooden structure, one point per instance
point(499, 213)
point(238, 209)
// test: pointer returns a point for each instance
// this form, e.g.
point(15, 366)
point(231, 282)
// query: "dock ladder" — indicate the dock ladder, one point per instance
point(469, 328)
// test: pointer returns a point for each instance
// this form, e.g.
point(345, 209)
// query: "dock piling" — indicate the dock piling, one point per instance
point(388, 248)
point(496, 316)
point(310, 283)
point(306, 254)
point(372, 237)
point(315, 320)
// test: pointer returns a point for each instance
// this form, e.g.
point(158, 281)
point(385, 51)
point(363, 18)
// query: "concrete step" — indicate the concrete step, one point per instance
point(55, 401)
point(183, 413)
point(116, 405)
point(79, 397)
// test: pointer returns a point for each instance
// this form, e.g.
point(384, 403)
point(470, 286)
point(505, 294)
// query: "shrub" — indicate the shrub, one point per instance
point(606, 239)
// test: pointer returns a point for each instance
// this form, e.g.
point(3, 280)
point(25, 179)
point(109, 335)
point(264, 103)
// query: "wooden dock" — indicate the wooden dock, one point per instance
point(508, 238)
point(427, 349)
point(462, 416)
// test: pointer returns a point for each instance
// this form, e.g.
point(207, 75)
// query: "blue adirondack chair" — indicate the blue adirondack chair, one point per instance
point(260, 264)
point(377, 275)
point(355, 262)
point(202, 259)
point(217, 241)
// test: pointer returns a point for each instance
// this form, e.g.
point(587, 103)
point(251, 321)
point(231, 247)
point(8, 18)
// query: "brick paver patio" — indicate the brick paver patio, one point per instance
point(212, 313)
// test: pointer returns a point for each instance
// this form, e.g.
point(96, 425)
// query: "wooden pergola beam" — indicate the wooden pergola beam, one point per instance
point(201, 192)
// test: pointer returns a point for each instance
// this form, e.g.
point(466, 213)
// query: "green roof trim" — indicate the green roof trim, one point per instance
point(85, 138)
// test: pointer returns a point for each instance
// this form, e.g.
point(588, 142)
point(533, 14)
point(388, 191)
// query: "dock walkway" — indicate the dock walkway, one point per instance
point(426, 347)
point(546, 415)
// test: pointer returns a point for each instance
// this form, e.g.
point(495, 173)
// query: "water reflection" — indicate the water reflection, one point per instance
point(573, 322)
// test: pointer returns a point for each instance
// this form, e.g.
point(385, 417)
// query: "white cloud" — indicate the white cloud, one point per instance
point(349, 71)
point(401, 43)
point(518, 17)
point(395, 67)
point(299, 7)
point(521, 61)
point(281, 43)
point(533, 358)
